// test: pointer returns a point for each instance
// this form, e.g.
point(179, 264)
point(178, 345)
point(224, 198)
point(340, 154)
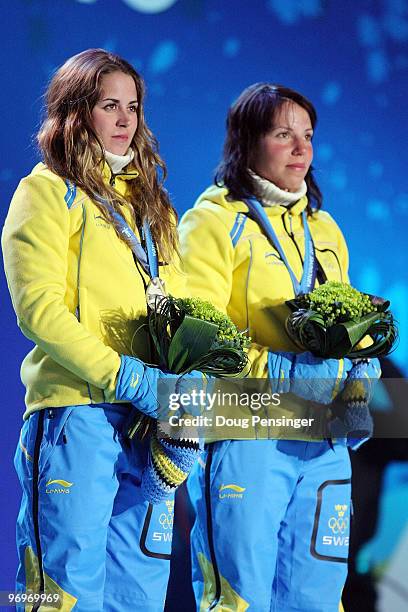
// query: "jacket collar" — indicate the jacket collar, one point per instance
point(127, 175)
point(294, 210)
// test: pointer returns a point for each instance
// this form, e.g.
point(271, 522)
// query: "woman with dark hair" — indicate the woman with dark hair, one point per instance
point(85, 238)
point(271, 515)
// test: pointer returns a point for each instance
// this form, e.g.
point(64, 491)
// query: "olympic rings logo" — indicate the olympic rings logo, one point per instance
point(338, 525)
point(166, 520)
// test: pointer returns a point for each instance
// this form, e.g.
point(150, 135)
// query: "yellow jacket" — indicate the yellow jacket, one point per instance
point(76, 290)
point(230, 262)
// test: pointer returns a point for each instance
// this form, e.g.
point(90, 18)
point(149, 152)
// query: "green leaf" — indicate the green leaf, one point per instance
point(357, 329)
point(223, 362)
point(307, 330)
point(384, 334)
point(338, 342)
point(192, 339)
point(344, 337)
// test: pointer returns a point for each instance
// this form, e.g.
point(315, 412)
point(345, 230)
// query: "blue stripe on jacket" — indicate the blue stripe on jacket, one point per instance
point(238, 228)
point(69, 197)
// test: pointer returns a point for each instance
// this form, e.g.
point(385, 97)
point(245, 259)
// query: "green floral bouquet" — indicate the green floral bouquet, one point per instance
point(191, 334)
point(333, 319)
point(188, 334)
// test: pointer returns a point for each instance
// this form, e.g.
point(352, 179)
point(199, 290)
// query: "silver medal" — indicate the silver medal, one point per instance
point(155, 291)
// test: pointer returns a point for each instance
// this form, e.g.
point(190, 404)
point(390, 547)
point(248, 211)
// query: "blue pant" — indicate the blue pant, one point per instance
point(85, 535)
point(271, 528)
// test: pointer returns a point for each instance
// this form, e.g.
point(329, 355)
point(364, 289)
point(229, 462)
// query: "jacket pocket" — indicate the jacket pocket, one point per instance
point(157, 532)
point(218, 453)
point(54, 424)
point(331, 529)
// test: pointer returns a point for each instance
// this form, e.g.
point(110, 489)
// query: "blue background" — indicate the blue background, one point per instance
point(349, 58)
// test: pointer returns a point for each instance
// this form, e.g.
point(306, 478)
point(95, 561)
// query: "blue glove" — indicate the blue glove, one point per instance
point(137, 383)
point(309, 377)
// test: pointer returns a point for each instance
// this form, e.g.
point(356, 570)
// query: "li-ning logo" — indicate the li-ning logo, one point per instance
point(63, 488)
point(134, 381)
point(339, 523)
point(238, 492)
point(101, 222)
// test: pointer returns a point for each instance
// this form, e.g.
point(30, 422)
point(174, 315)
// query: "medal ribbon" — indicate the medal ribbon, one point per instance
point(308, 279)
point(147, 259)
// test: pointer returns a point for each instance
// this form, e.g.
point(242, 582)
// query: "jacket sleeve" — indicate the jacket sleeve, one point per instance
point(208, 259)
point(35, 244)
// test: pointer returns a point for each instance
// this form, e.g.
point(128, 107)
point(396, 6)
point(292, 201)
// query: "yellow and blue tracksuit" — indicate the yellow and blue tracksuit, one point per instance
point(84, 530)
point(271, 516)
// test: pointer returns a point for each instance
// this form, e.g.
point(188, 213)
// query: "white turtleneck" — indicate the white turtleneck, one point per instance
point(118, 162)
point(271, 195)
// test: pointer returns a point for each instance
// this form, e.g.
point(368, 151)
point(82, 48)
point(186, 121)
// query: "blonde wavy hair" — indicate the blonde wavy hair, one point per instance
point(71, 148)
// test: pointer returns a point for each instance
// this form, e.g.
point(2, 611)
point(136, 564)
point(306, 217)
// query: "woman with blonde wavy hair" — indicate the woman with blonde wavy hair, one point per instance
point(85, 238)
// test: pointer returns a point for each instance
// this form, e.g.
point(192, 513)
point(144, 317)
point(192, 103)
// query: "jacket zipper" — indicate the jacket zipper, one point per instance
point(291, 235)
point(336, 257)
point(321, 275)
point(113, 176)
point(210, 533)
point(35, 504)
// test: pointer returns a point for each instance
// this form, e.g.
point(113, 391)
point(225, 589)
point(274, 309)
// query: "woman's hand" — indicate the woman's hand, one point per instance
point(309, 377)
point(137, 383)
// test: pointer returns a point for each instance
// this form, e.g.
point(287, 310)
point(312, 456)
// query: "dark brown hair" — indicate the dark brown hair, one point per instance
point(72, 149)
point(250, 117)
